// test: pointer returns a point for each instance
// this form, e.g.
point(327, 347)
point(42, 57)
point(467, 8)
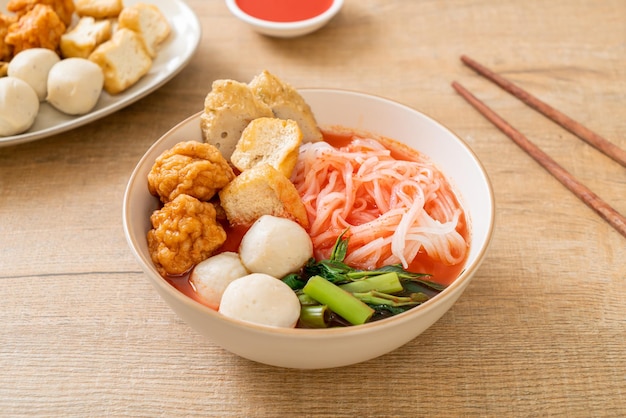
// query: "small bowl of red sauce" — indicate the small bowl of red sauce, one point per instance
point(285, 18)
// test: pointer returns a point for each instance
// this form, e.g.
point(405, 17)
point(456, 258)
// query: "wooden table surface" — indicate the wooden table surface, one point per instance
point(540, 331)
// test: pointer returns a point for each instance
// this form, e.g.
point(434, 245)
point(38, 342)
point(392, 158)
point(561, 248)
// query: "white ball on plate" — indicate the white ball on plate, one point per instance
point(261, 299)
point(19, 106)
point(211, 276)
point(75, 85)
point(33, 66)
point(275, 246)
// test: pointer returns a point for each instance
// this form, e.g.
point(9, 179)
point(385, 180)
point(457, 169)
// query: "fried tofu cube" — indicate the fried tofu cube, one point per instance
point(149, 22)
point(286, 103)
point(83, 39)
point(99, 9)
point(123, 59)
point(268, 141)
point(228, 108)
point(262, 190)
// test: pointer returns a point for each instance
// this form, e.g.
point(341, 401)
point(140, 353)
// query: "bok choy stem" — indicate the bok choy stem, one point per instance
point(378, 298)
point(386, 283)
point(338, 300)
point(315, 316)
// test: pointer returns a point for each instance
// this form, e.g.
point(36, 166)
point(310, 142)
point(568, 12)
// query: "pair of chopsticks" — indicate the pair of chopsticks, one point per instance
point(610, 215)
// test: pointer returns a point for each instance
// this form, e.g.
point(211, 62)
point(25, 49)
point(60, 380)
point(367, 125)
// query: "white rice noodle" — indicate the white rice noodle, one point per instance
point(383, 201)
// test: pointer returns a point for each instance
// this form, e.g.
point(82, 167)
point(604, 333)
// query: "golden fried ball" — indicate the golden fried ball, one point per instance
point(185, 232)
point(6, 50)
point(40, 27)
point(63, 8)
point(194, 168)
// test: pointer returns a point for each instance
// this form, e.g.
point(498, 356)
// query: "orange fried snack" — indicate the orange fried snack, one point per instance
point(194, 168)
point(6, 50)
point(63, 8)
point(185, 232)
point(40, 27)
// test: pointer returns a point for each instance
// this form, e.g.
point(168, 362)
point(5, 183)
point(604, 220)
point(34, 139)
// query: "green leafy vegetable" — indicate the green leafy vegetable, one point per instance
point(356, 295)
point(294, 281)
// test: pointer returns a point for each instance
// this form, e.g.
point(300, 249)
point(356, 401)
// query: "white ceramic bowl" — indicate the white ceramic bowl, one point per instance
point(285, 29)
point(324, 348)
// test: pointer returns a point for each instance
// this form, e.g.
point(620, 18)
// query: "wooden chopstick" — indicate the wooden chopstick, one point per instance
point(592, 138)
point(614, 218)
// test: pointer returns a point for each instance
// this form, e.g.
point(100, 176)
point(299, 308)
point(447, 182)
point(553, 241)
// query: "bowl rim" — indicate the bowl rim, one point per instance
point(462, 280)
point(297, 24)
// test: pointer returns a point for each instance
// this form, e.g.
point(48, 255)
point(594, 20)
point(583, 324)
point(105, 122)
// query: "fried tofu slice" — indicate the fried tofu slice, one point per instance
point(83, 39)
point(262, 190)
point(228, 108)
point(268, 141)
point(123, 59)
point(286, 103)
point(149, 22)
point(99, 9)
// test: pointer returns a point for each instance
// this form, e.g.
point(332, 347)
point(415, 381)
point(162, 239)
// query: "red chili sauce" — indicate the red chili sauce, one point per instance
point(441, 273)
point(284, 10)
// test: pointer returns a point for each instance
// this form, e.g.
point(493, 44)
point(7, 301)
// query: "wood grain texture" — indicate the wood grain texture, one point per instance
point(541, 331)
point(584, 133)
point(586, 195)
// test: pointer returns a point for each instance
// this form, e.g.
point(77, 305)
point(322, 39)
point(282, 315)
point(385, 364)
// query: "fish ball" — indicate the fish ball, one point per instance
point(74, 85)
point(275, 246)
point(32, 66)
point(211, 276)
point(19, 106)
point(261, 299)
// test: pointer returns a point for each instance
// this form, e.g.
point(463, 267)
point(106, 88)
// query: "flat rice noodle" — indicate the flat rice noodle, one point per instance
point(394, 208)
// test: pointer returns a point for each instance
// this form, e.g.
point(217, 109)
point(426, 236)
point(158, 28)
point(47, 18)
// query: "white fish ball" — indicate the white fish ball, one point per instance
point(75, 85)
point(275, 246)
point(19, 106)
point(211, 276)
point(33, 66)
point(261, 299)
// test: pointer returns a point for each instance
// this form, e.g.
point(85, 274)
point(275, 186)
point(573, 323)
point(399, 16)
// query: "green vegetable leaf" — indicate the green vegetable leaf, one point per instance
point(387, 291)
point(294, 281)
point(340, 249)
point(388, 310)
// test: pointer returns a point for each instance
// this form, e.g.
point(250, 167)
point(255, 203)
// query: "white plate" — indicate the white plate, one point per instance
point(174, 54)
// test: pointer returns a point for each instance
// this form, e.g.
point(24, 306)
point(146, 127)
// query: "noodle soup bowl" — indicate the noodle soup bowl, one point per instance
point(333, 347)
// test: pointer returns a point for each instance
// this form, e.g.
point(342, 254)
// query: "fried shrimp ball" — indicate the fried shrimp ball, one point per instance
point(185, 232)
point(6, 50)
point(40, 27)
point(194, 168)
point(63, 8)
